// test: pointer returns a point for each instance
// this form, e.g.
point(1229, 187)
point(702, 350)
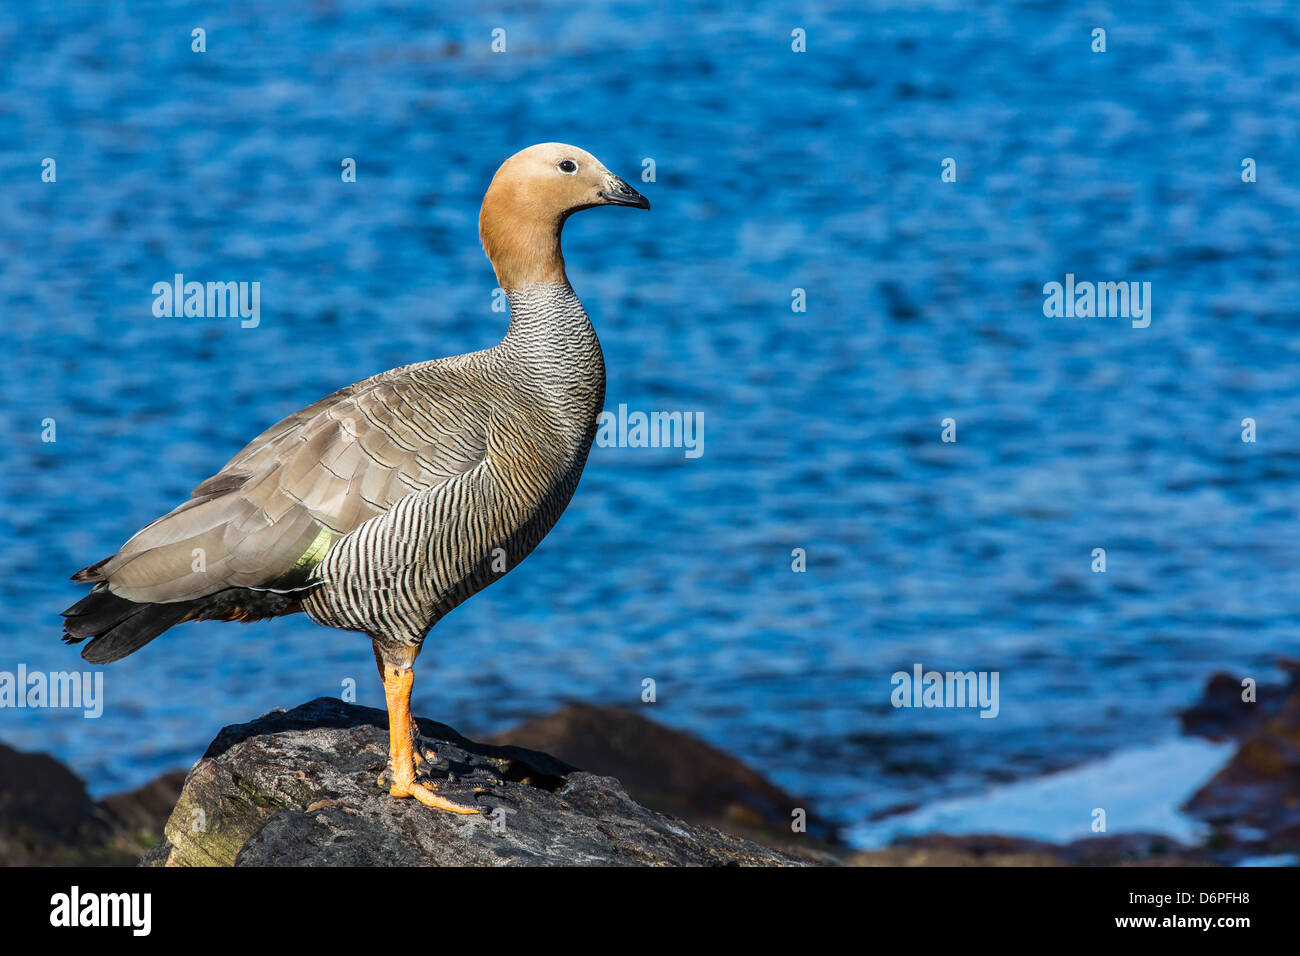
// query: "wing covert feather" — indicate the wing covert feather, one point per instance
point(327, 468)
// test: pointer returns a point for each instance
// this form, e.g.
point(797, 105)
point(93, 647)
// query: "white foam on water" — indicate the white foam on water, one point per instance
point(1140, 790)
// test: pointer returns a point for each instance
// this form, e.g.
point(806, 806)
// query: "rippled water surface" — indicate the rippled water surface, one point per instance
point(774, 171)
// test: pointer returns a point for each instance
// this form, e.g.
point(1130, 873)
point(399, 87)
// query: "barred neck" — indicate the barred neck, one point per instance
point(552, 346)
point(546, 314)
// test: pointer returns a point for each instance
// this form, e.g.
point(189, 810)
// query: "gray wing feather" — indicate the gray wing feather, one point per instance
point(331, 466)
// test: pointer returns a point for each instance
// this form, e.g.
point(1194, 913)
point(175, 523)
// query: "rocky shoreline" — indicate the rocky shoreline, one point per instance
point(298, 788)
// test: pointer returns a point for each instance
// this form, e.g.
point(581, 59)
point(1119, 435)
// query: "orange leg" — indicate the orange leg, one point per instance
point(397, 691)
point(419, 756)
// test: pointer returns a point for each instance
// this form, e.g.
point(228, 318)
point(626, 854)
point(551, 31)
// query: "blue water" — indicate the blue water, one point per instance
point(774, 171)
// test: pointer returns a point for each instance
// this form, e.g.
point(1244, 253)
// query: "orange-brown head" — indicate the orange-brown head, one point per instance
point(531, 195)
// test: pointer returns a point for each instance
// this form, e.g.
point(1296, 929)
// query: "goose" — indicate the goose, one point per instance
point(383, 506)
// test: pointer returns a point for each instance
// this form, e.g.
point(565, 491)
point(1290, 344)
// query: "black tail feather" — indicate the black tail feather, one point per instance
point(119, 627)
point(95, 613)
point(134, 632)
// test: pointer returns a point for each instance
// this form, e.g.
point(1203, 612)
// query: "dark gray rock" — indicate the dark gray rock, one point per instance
point(675, 773)
point(299, 788)
point(48, 819)
point(987, 849)
point(46, 815)
point(1221, 714)
point(1251, 803)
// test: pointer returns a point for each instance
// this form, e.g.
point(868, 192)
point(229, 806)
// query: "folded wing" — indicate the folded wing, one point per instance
point(273, 511)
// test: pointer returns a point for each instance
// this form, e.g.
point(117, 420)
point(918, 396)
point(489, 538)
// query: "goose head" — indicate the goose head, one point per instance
point(530, 197)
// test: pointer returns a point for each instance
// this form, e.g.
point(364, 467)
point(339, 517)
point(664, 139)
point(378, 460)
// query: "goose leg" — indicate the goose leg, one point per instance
point(419, 755)
point(397, 691)
point(386, 777)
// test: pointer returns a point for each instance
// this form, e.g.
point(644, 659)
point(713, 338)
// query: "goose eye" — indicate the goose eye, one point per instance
point(567, 166)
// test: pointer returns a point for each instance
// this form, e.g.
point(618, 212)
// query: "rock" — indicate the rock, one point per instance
point(45, 813)
point(1253, 802)
point(48, 819)
point(1120, 849)
point(673, 772)
point(143, 812)
point(941, 849)
point(1221, 714)
point(298, 788)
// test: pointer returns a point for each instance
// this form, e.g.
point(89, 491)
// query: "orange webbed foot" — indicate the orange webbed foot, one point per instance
point(427, 796)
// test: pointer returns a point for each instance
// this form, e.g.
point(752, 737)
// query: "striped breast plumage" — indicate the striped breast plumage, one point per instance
point(534, 400)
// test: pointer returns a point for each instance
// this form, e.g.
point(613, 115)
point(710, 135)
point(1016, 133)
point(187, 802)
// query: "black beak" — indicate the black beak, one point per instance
point(619, 193)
